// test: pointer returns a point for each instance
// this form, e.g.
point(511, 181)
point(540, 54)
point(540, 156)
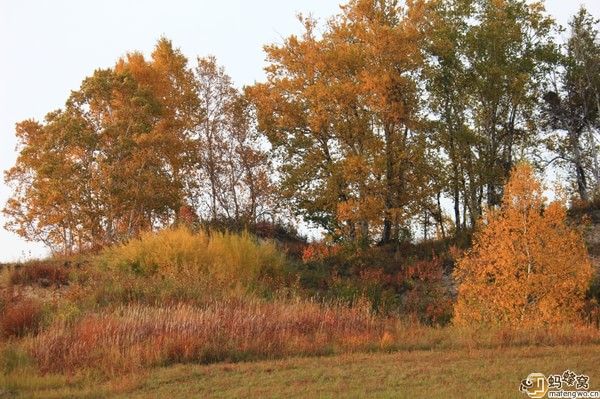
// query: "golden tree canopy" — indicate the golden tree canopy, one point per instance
point(526, 265)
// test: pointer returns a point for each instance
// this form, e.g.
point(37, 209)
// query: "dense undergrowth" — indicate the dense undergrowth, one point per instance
point(208, 296)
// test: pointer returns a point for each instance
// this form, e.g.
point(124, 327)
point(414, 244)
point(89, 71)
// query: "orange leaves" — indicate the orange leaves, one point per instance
point(133, 144)
point(526, 266)
point(523, 192)
point(368, 208)
point(355, 168)
point(337, 109)
point(318, 252)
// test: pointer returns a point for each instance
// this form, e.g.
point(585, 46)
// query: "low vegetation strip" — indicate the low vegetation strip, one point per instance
point(137, 336)
point(486, 373)
point(134, 337)
point(449, 373)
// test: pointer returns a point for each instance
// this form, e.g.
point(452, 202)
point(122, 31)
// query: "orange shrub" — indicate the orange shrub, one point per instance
point(319, 251)
point(428, 296)
point(526, 266)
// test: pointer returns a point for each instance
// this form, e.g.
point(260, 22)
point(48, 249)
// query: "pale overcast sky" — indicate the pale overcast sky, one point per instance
point(48, 47)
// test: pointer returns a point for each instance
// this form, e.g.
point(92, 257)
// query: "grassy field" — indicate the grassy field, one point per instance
point(480, 373)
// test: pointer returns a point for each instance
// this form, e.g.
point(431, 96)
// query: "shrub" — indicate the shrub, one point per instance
point(392, 284)
point(427, 295)
point(526, 266)
point(317, 252)
point(216, 259)
point(43, 273)
point(20, 318)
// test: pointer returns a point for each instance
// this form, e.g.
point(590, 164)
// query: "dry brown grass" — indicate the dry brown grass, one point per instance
point(138, 336)
point(414, 336)
point(134, 337)
point(20, 318)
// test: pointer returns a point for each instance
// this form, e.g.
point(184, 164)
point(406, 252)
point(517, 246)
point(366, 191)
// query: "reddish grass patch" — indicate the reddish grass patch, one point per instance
point(44, 273)
point(133, 337)
point(139, 336)
point(20, 318)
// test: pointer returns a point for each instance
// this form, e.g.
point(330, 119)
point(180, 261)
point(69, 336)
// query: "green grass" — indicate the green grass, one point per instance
point(480, 373)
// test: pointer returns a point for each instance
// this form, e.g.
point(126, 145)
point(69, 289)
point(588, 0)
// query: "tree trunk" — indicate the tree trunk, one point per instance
point(389, 176)
point(578, 164)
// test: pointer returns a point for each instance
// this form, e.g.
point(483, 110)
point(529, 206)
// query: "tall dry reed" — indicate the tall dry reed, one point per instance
point(138, 336)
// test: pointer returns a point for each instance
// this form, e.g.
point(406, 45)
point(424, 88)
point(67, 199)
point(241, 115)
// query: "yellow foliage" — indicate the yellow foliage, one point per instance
point(526, 266)
point(368, 208)
point(224, 258)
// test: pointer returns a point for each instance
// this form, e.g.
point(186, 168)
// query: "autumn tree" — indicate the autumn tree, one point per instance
point(572, 106)
point(341, 112)
point(510, 52)
point(134, 149)
point(97, 171)
point(251, 181)
point(447, 81)
point(486, 66)
point(45, 205)
point(168, 77)
point(113, 162)
point(526, 265)
point(233, 168)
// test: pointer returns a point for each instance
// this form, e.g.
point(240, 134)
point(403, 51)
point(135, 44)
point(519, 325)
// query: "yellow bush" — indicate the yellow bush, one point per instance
point(226, 259)
point(526, 265)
